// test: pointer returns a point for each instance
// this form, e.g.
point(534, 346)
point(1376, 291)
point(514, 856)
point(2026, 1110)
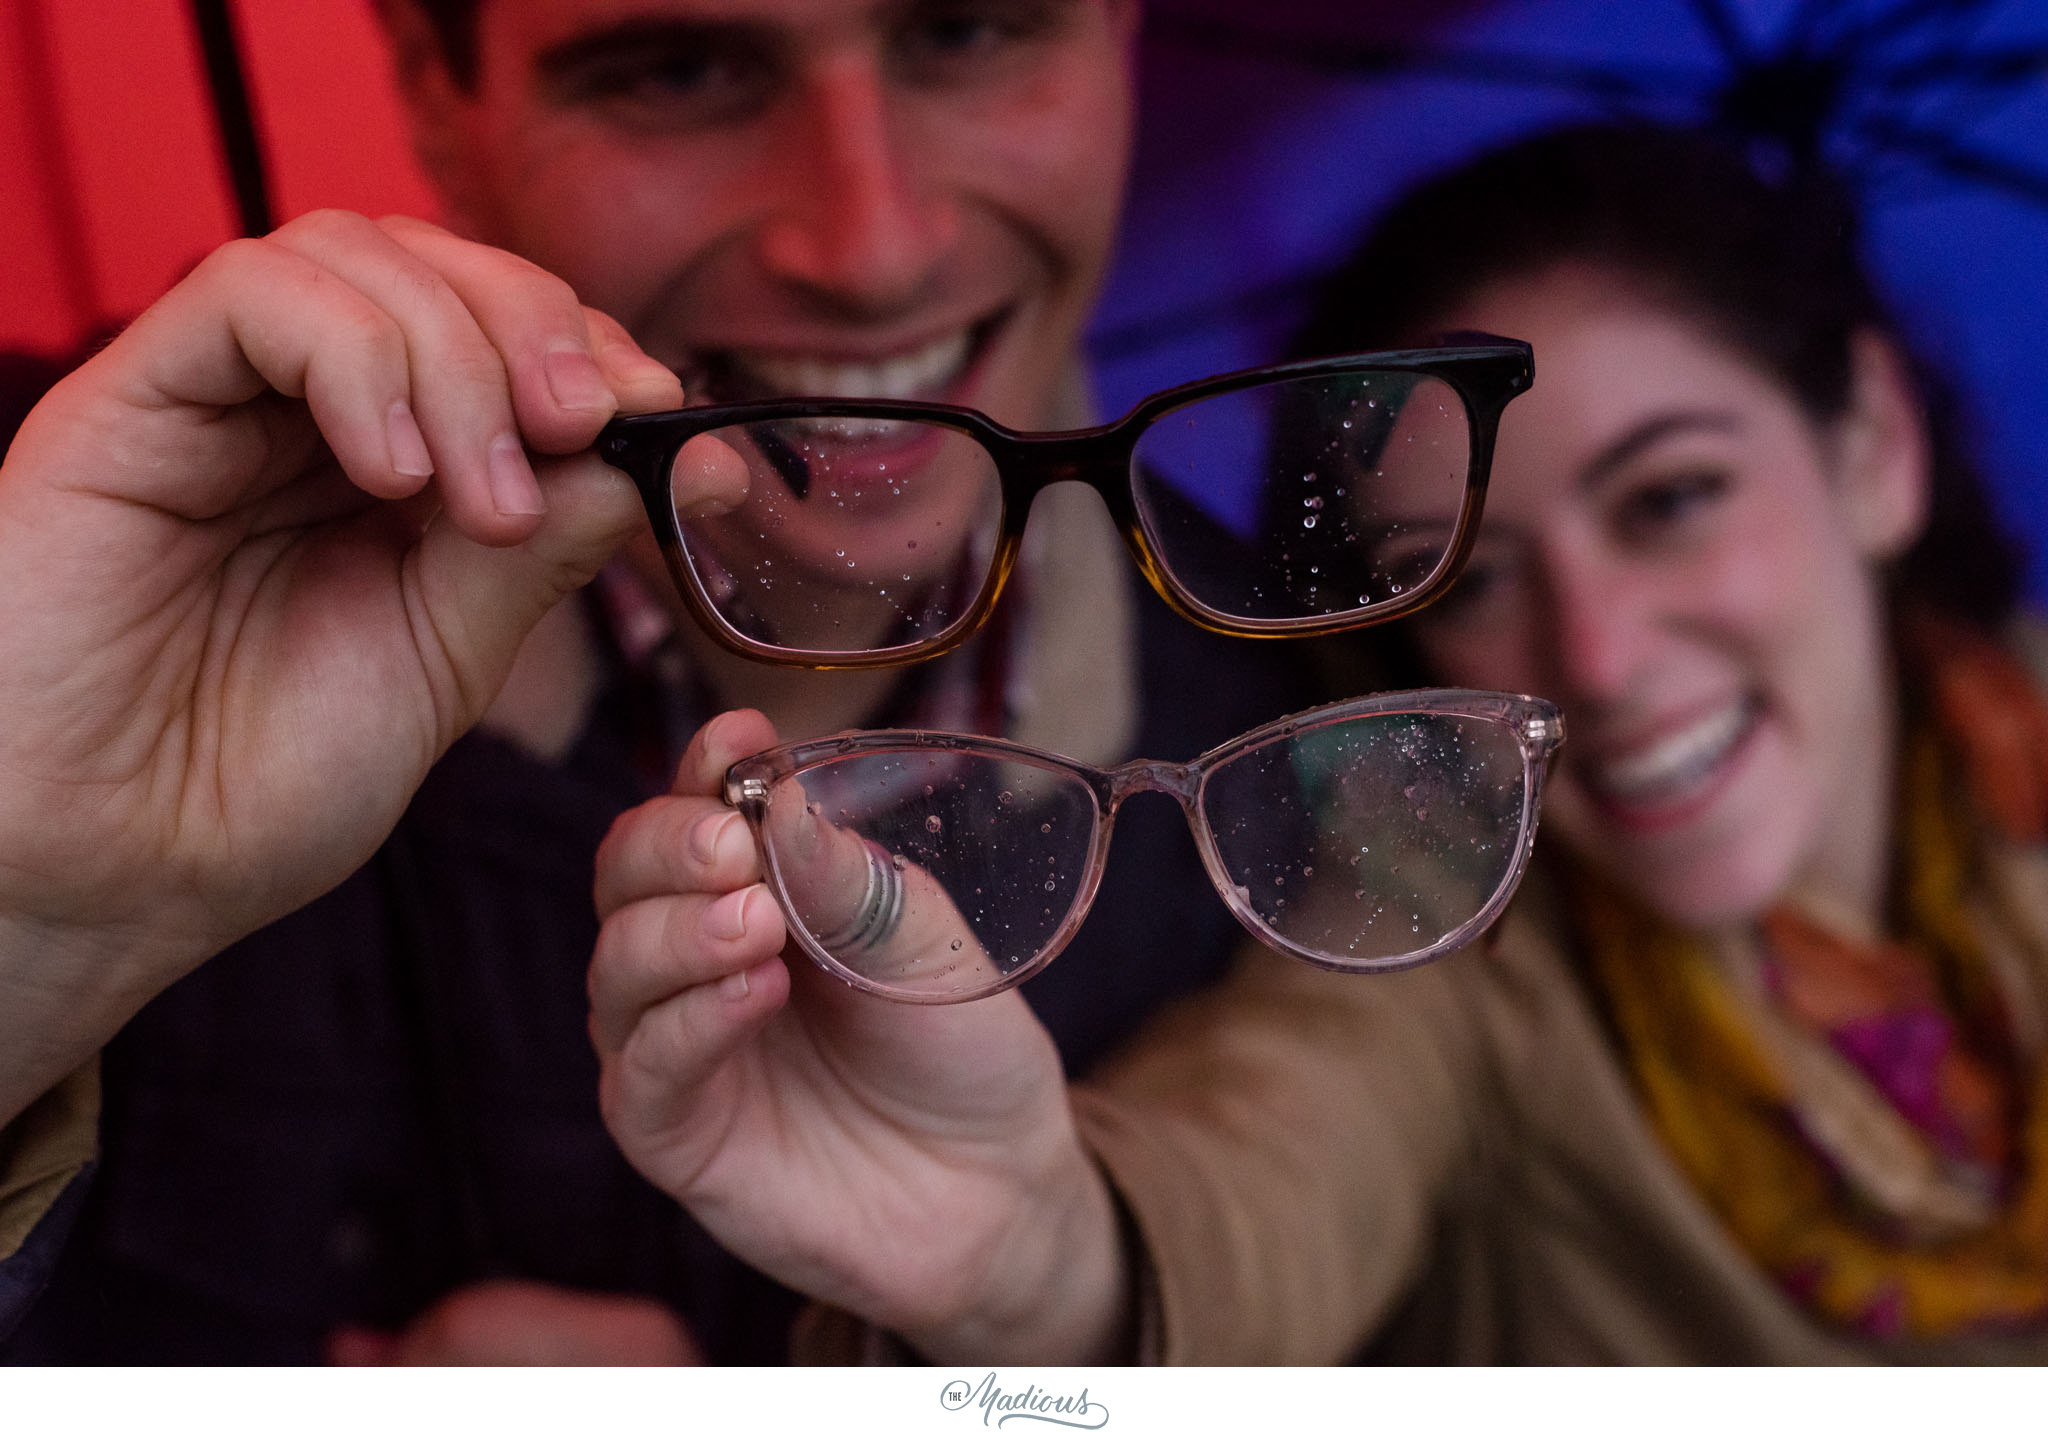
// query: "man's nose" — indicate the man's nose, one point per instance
point(854, 218)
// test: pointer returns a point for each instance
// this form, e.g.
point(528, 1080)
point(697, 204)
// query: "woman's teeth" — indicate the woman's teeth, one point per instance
point(1671, 767)
point(925, 373)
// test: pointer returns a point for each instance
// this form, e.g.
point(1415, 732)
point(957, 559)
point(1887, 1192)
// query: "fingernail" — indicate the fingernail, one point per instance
point(733, 987)
point(409, 456)
point(726, 919)
point(704, 507)
point(627, 358)
point(575, 381)
point(705, 836)
point(514, 489)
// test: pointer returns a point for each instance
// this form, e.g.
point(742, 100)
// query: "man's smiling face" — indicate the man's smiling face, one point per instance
point(901, 198)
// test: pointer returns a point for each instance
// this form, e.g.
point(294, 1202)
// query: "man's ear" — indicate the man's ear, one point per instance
point(435, 103)
point(1885, 461)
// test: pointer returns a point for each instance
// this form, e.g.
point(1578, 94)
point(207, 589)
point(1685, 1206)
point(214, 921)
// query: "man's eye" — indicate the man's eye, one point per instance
point(1664, 506)
point(673, 87)
point(943, 38)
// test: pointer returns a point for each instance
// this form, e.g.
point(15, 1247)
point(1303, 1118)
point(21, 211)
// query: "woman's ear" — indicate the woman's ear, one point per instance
point(1885, 461)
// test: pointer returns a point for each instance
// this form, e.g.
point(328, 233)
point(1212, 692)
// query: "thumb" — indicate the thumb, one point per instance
point(481, 602)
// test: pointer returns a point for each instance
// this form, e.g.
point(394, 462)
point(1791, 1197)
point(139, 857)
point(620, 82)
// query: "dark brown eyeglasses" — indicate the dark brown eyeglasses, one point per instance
point(1289, 500)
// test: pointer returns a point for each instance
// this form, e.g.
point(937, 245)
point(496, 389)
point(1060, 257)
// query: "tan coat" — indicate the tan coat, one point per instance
point(1309, 1155)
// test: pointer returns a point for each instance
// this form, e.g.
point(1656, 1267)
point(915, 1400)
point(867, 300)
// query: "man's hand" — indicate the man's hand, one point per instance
point(267, 556)
point(915, 1164)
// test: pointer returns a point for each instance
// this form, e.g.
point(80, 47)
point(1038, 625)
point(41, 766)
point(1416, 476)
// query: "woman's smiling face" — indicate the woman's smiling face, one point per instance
point(1677, 554)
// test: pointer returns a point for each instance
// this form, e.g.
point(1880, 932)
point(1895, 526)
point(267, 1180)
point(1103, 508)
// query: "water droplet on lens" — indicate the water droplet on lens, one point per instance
point(1308, 521)
point(933, 824)
point(956, 944)
point(1045, 829)
point(1048, 885)
point(1307, 870)
point(897, 861)
point(1312, 503)
point(1005, 798)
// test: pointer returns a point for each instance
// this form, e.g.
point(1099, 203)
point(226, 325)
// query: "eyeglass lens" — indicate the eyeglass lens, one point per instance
point(1372, 840)
point(1335, 492)
point(1377, 840)
point(1006, 843)
point(856, 534)
point(1293, 499)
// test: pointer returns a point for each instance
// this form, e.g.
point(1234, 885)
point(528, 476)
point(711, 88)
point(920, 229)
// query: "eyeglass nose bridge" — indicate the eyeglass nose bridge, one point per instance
point(1094, 457)
point(1180, 779)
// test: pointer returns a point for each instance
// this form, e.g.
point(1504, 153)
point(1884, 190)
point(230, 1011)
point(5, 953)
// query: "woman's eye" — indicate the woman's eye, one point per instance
point(1663, 506)
point(1480, 590)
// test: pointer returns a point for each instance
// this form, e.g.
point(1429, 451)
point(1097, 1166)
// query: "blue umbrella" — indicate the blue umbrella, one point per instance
point(1273, 133)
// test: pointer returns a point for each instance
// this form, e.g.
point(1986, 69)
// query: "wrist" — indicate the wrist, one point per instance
point(65, 990)
point(1060, 1283)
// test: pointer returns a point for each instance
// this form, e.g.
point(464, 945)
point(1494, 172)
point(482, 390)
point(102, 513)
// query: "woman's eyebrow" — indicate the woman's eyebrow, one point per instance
point(1648, 433)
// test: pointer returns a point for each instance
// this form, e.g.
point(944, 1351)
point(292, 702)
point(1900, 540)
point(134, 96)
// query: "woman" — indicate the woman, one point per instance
point(1750, 1073)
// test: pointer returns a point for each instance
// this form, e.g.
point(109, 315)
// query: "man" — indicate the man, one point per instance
point(369, 1128)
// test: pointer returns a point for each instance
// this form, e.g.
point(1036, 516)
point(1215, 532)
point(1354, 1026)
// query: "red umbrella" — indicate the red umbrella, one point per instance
point(113, 163)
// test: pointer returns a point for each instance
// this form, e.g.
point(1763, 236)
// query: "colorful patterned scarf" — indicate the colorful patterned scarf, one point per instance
point(1869, 1115)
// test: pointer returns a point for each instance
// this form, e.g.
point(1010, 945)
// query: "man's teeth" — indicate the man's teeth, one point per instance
point(1674, 763)
point(924, 373)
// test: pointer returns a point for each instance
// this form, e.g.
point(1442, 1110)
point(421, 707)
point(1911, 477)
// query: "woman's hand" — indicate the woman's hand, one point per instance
point(915, 1164)
point(266, 556)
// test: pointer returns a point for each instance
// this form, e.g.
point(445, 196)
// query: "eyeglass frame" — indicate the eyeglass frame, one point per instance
point(1485, 371)
point(1537, 724)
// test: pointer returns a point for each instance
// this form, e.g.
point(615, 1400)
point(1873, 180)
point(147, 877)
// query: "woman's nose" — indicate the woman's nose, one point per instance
point(1601, 623)
point(854, 219)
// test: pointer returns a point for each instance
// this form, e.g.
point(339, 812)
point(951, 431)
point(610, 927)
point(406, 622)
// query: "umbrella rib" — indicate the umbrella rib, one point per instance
point(1721, 24)
point(1957, 159)
point(1336, 56)
point(2004, 66)
point(1907, 16)
point(1804, 23)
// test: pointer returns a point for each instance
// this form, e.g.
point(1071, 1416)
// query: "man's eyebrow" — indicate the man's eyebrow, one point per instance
point(1651, 431)
point(638, 35)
